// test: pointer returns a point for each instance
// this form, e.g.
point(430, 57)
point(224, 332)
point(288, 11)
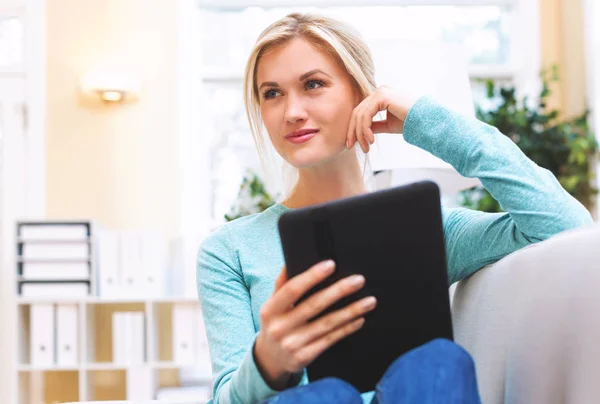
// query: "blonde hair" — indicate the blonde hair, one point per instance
point(338, 39)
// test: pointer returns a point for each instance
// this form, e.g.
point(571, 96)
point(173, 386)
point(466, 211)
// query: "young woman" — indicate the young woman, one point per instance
point(310, 82)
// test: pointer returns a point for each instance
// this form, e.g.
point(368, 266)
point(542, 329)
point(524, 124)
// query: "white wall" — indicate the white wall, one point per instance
point(116, 163)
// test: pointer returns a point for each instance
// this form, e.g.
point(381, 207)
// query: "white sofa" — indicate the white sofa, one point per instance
point(532, 322)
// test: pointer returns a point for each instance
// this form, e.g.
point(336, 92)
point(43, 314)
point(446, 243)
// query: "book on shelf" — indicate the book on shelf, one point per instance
point(54, 259)
point(54, 289)
point(53, 271)
point(128, 338)
point(47, 251)
point(53, 231)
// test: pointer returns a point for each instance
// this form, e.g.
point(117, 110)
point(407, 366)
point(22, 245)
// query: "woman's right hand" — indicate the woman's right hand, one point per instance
point(288, 341)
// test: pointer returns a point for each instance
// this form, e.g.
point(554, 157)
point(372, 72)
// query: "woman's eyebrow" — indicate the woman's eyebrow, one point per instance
point(304, 76)
point(310, 73)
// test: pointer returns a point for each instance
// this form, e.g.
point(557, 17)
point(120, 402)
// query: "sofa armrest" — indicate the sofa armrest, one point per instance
point(532, 321)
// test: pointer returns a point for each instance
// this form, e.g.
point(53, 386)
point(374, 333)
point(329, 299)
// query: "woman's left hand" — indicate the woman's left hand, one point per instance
point(362, 129)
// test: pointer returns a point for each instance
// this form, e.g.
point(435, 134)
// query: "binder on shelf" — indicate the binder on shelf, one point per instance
point(108, 261)
point(54, 259)
point(138, 337)
point(183, 334)
point(130, 264)
point(49, 230)
point(129, 338)
point(47, 251)
point(54, 289)
point(42, 328)
point(121, 339)
point(153, 265)
point(53, 271)
point(182, 268)
point(67, 344)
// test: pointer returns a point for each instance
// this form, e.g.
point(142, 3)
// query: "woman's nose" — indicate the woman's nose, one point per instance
point(294, 110)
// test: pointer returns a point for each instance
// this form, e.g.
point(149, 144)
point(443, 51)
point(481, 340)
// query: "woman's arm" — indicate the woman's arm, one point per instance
point(227, 313)
point(536, 205)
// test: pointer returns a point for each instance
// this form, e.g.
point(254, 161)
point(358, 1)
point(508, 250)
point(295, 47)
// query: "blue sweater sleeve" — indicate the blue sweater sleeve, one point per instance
point(536, 205)
point(225, 303)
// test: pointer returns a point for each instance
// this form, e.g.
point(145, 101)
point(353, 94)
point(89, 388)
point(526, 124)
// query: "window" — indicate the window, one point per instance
point(483, 30)
point(499, 39)
point(12, 42)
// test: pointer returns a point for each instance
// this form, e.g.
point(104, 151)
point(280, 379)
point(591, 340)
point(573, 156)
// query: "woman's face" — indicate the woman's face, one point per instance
point(306, 101)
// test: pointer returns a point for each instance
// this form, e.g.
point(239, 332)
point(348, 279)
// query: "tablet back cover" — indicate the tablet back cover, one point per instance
point(395, 239)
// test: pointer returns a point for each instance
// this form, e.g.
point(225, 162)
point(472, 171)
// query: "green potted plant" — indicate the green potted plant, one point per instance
point(565, 147)
point(252, 197)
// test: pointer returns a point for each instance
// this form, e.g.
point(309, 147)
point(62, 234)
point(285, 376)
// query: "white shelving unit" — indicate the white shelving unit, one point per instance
point(95, 368)
point(94, 373)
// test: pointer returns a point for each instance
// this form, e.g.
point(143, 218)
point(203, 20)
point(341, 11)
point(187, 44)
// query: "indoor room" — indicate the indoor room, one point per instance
point(148, 149)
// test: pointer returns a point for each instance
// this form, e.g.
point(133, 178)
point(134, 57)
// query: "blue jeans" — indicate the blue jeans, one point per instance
point(437, 372)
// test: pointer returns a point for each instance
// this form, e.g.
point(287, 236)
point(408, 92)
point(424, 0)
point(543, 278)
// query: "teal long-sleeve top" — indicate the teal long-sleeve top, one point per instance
point(238, 263)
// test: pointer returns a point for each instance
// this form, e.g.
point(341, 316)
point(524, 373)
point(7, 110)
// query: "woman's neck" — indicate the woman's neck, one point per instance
point(336, 180)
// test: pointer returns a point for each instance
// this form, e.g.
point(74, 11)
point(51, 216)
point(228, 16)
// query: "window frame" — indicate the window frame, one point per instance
point(523, 70)
point(591, 14)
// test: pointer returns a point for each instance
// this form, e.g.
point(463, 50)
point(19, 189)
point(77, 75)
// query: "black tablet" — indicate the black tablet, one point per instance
point(395, 239)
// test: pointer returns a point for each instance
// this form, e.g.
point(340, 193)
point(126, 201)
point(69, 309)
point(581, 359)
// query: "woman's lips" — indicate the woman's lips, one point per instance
point(301, 138)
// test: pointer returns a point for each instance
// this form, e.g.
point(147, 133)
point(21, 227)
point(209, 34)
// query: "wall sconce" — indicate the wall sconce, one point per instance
point(111, 87)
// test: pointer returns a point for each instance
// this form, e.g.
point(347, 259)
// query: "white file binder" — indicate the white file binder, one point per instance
point(138, 338)
point(67, 346)
point(183, 334)
point(131, 265)
point(108, 264)
point(42, 335)
point(121, 339)
point(154, 259)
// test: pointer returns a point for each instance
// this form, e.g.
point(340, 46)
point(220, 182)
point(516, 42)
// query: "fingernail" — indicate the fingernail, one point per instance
point(369, 302)
point(356, 280)
point(327, 266)
point(347, 144)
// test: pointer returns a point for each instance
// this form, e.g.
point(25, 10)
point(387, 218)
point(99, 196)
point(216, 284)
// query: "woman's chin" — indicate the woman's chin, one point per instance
point(308, 160)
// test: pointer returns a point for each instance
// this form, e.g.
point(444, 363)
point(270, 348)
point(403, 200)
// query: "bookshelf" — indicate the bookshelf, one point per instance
point(87, 359)
point(91, 369)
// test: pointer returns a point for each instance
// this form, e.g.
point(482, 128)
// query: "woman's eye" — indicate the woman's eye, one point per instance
point(313, 84)
point(269, 94)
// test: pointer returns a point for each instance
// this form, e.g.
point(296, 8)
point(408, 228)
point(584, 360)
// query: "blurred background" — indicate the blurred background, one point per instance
point(124, 142)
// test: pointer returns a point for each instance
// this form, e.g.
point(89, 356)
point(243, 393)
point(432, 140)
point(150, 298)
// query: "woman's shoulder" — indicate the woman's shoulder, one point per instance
point(244, 230)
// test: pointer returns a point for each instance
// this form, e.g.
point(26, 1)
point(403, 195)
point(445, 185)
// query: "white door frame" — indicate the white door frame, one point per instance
point(23, 178)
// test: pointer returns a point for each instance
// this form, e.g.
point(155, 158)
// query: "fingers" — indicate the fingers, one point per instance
point(350, 136)
point(367, 122)
point(331, 322)
point(360, 126)
point(360, 131)
point(281, 279)
point(292, 290)
point(380, 127)
point(310, 352)
point(320, 301)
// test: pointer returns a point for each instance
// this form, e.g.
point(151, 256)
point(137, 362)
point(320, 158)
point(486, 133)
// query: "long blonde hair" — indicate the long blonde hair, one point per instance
point(338, 39)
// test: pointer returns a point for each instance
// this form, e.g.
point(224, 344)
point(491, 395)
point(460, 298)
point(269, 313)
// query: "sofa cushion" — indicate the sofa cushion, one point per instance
point(531, 321)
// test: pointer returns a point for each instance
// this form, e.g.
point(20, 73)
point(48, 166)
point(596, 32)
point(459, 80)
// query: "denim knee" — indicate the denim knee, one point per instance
point(456, 358)
point(329, 390)
point(437, 368)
